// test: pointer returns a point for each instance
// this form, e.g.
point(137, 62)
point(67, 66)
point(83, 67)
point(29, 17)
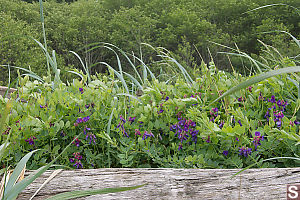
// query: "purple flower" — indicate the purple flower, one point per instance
point(137, 132)
point(240, 123)
point(86, 129)
point(87, 118)
point(81, 90)
point(146, 135)
point(180, 147)
point(215, 109)
point(225, 153)
point(122, 119)
point(221, 125)
point(160, 111)
point(78, 165)
point(260, 96)
point(241, 99)
point(272, 100)
point(91, 137)
point(167, 98)
point(77, 156)
point(77, 142)
point(71, 160)
point(250, 88)
point(237, 139)
point(30, 140)
point(208, 139)
point(245, 151)
point(131, 119)
point(87, 106)
point(256, 139)
point(79, 120)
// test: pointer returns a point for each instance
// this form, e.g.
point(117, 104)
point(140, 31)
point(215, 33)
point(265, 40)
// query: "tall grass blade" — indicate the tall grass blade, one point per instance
point(29, 73)
point(15, 175)
point(20, 186)
point(44, 32)
point(270, 5)
point(276, 158)
point(187, 77)
point(47, 181)
point(76, 74)
point(121, 51)
point(118, 75)
point(77, 194)
point(259, 78)
point(86, 69)
point(134, 80)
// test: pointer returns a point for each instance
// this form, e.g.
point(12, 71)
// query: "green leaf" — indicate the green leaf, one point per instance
point(277, 158)
point(77, 194)
point(20, 186)
point(16, 173)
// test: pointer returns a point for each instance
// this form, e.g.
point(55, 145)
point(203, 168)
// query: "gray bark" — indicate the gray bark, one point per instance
point(171, 183)
point(3, 90)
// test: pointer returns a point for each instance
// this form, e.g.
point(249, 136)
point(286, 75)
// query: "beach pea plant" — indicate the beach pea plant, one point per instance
point(171, 124)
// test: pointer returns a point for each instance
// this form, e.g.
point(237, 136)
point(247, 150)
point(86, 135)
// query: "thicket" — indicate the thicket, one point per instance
point(186, 28)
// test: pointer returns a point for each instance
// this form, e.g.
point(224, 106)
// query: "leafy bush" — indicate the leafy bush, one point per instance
point(170, 24)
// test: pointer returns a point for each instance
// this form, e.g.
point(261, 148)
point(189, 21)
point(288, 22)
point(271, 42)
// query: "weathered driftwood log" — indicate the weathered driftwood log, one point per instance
point(4, 89)
point(172, 183)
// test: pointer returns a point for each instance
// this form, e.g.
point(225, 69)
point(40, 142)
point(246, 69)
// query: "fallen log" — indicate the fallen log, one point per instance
point(4, 89)
point(172, 184)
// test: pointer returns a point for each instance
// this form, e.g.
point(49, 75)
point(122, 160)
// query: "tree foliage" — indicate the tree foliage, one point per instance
point(72, 25)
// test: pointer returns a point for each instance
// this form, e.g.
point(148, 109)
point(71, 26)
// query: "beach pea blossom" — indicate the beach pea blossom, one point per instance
point(30, 140)
point(257, 139)
point(225, 153)
point(147, 134)
point(245, 151)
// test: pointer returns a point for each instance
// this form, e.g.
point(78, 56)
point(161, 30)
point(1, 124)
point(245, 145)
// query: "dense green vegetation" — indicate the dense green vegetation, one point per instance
point(153, 106)
point(183, 27)
point(172, 124)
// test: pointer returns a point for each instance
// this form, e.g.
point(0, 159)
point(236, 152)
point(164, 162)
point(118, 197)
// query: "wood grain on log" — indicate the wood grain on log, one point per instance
point(171, 183)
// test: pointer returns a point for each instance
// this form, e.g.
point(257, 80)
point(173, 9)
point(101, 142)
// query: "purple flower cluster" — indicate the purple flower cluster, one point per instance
point(137, 132)
point(77, 142)
point(121, 126)
point(77, 159)
point(30, 140)
point(213, 113)
point(6, 132)
point(91, 137)
point(292, 123)
point(241, 99)
point(249, 88)
point(45, 106)
point(256, 139)
point(131, 120)
point(147, 134)
point(222, 124)
point(81, 90)
point(196, 95)
point(184, 129)
point(245, 151)
point(225, 153)
point(278, 107)
point(81, 120)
